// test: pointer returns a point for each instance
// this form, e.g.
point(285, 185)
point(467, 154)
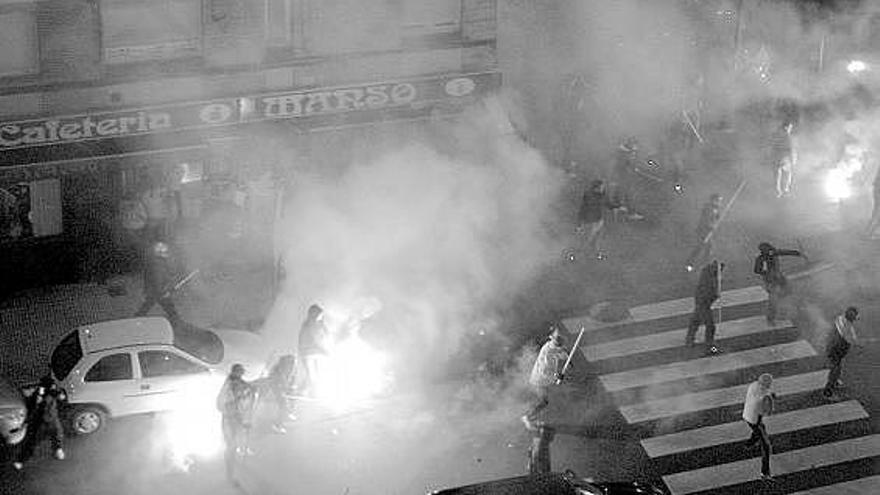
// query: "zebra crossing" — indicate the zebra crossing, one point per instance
point(685, 406)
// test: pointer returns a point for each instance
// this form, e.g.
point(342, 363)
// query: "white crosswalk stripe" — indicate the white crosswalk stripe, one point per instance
point(707, 365)
point(675, 338)
point(721, 397)
point(711, 436)
point(666, 309)
point(672, 440)
point(734, 473)
point(862, 486)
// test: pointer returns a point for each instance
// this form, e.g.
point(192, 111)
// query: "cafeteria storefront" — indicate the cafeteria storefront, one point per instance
point(78, 192)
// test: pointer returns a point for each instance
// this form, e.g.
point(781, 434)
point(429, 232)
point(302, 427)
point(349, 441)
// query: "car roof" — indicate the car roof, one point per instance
point(127, 332)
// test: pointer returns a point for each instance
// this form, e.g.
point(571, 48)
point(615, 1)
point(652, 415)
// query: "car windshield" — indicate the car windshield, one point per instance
point(201, 343)
point(66, 355)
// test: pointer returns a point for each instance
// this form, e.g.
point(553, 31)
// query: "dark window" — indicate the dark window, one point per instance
point(111, 368)
point(18, 39)
point(66, 355)
point(163, 363)
point(30, 209)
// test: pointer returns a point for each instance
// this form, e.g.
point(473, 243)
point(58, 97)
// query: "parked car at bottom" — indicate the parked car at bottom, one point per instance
point(144, 365)
point(12, 413)
point(554, 484)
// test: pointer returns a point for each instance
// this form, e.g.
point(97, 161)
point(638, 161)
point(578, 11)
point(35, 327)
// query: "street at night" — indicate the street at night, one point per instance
point(443, 246)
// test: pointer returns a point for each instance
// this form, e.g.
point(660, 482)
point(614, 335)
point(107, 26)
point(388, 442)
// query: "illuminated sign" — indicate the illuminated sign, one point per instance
point(304, 104)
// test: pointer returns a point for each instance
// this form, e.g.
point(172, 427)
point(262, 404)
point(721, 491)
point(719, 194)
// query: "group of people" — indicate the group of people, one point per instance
point(759, 397)
point(238, 398)
point(549, 366)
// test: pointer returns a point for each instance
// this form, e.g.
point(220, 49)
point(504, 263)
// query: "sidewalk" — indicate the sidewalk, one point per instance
point(33, 321)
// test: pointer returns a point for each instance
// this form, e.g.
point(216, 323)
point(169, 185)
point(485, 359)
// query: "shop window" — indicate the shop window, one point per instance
point(341, 26)
point(18, 40)
point(426, 17)
point(30, 209)
point(137, 30)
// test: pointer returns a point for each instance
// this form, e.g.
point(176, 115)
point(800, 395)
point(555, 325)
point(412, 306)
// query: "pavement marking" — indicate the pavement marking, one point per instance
point(665, 309)
point(711, 436)
point(861, 486)
point(721, 397)
point(793, 461)
point(703, 366)
point(675, 338)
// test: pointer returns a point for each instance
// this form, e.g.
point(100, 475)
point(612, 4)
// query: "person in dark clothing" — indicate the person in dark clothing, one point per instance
point(841, 337)
point(767, 265)
point(43, 404)
point(539, 450)
point(281, 380)
point(709, 217)
point(312, 344)
point(626, 159)
point(160, 275)
point(708, 291)
point(591, 215)
point(236, 403)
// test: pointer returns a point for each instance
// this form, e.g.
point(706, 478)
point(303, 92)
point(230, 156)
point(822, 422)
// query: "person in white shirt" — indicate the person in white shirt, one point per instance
point(840, 339)
point(758, 403)
point(545, 372)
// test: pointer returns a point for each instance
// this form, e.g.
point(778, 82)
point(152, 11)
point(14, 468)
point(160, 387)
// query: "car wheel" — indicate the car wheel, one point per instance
point(86, 420)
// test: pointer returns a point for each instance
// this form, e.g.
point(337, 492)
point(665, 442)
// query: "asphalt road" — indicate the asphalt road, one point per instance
point(466, 430)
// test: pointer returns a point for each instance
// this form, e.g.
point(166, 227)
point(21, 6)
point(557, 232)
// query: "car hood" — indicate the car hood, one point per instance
point(246, 348)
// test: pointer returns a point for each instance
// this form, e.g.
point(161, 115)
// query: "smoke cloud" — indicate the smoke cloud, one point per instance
point(440, 232)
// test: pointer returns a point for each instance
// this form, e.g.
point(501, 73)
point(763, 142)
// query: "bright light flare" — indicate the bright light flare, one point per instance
point(192, 430)
point(837, 185)
point(856, 66)
point(351, 372)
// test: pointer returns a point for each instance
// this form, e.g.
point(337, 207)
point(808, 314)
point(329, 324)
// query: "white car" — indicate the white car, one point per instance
point(143, 365)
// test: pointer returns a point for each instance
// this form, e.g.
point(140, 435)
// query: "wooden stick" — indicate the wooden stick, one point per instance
point(576, 345)
point(726, 209)
point(690, 123)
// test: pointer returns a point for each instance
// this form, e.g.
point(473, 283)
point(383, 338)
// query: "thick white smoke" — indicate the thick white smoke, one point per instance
point(443, 239)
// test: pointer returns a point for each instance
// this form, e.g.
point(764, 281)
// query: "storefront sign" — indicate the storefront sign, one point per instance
point(204, 115)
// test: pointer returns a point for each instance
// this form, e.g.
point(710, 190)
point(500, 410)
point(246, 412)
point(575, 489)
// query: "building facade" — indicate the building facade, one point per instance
point(124, 120)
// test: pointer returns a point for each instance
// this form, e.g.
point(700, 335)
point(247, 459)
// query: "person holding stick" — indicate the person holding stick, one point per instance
point(705, 235)
point(160, 281)
point(547, 370)
point(709, 217)
point(708, 291)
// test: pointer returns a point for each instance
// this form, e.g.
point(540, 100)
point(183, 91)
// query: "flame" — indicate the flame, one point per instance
point(856, 66)
point(351, 372)
point(192, 429)
point(837, 181)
